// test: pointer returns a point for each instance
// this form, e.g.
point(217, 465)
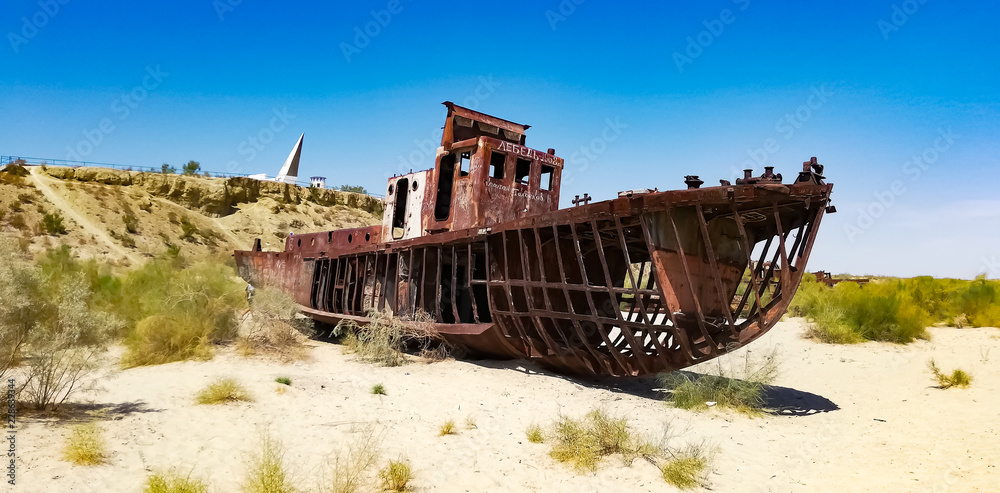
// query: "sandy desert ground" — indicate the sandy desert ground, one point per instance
point(851, 418)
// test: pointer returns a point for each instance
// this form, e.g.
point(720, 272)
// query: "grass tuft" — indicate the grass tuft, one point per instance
point(223, 391)
point(534, 433)
point(958, 378)
point(448, 428)
point(740, 386)
point(396, 476)
point(267, 472)
point(378, 389)
point(686, 469)
point(351, 466)
point(173, 483)
point(384, 338)
point(86, 446)
point(584, 443)
point(284, 380)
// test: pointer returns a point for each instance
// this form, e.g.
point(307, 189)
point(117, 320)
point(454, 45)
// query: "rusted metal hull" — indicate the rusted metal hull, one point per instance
point(637, 285)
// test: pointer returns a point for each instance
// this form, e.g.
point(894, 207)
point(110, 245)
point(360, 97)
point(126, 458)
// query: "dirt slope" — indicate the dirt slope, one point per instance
point(121, 217)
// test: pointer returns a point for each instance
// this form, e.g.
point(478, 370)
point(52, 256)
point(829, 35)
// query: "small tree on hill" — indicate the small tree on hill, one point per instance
point(167, 169)
point(192, 167)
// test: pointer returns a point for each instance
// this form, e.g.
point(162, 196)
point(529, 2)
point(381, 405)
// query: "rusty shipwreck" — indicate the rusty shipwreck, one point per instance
point(650, 281)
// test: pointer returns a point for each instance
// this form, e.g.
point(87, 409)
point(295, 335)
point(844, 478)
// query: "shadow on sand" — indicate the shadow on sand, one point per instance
point(72, 412)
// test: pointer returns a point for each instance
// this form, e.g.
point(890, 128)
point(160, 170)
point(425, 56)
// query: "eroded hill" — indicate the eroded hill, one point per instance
point(123, 216)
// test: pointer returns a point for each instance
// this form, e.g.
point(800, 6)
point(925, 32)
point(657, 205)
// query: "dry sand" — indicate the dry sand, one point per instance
point(855, 418)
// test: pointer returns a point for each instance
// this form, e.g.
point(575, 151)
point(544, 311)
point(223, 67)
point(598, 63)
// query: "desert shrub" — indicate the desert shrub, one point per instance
point(353, 189)
point(396, 476)
point(25, 198)
point(17, 222)
point(448, 428)
point(584, 443)
point(284, 381)
point(172, 217)
point(178, 312)
point(384, 338)
point(297, 224)
point(736, 383)
point(86, 446)
point(378, 389)
point(172, 482)
point(15, 206)
point(849, 313)
point(223, 391)
point(957, 378)
point(686, 469)
point(534, 433)
point(350, 468)
point(168, 169)
point(48, 324)
point(266, 472)
point(188, 230)
point(275, 326)
point(979, 301)
point(131, 223)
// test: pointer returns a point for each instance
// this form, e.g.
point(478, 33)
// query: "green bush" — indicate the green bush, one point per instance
point(584, 443)
point(53, 224)
point(173, 483)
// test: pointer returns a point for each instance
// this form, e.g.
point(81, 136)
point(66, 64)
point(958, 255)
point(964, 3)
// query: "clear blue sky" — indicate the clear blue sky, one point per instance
point(688, 88)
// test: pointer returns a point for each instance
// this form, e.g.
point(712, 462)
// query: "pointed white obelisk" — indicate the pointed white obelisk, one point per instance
point(290, 170)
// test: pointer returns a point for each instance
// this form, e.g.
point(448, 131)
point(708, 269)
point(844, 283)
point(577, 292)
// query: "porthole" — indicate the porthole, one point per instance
point(350, 238)
point(329, 237)
point(414, 185)
point(312, 242)
point(390, 189)
point(368, 237)
point(300, 242)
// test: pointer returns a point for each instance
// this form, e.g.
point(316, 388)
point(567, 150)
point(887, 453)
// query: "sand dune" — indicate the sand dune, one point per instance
point(852, 418)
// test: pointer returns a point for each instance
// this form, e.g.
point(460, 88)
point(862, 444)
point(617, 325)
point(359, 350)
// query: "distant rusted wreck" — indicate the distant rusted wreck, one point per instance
point(648, 282)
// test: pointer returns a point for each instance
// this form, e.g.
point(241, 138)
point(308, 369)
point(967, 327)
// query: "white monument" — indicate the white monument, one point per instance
point(317, 181)
point(290, 170)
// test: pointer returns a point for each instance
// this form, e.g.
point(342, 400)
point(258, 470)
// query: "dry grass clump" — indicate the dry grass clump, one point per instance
point(351, 468)
point(266, 472)
point(173, 483)
point(687, 468)
point(275, 326)
point(378, 389)
point(86, 446)
point(223, 391)
point(584, 443)
point(385, 337)
point(396, 476)
point(534, 433)
point(284, 381)
point(957, 378)
point(738, 385)
point(448, 428)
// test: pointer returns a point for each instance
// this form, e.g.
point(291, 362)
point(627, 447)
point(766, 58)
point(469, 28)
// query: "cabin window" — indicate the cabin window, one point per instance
point(399, 209)
point(547, 174)
point(464, 160)
point(446, 178)
point(497, 160)
point(522, 171)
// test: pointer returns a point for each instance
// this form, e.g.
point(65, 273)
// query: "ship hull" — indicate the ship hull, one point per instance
point(638, 285)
